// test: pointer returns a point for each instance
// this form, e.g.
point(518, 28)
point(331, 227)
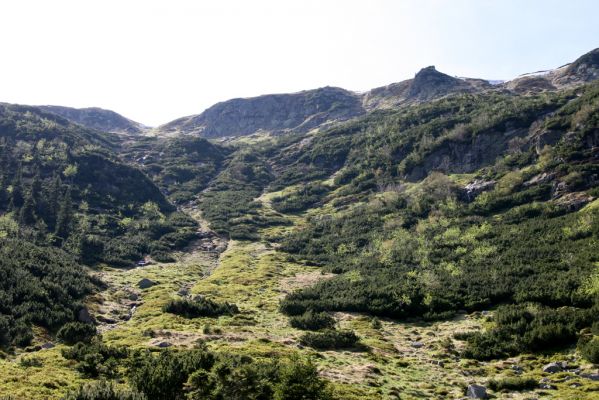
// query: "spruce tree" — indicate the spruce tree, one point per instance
point(16, 196)
point(51, 214)
point(27, 213)
point(65, 216)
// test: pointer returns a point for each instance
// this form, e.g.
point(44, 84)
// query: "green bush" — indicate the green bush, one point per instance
point(164, 376)
point(95, 358)
point(300, 380)
point(330, 339)
point(199, 307)
point(74, 332)
point(589, 348)
point(312, 321)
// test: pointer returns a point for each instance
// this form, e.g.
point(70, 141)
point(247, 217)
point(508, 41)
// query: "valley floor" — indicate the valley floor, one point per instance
point(407, 360)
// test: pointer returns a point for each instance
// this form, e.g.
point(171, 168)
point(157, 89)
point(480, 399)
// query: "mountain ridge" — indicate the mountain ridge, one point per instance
point(294, 112)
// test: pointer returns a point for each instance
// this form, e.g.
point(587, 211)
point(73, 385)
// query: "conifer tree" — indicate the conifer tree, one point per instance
point(16, 196)
point(27, 213)
point(64, 217)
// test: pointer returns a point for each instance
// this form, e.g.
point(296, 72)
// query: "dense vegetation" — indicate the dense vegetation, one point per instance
point(40, 286)
point(66, 199)
point(199, 307)
point(330, 339)
point(65, 184)
point(312, 321)
point(193, 374)
point(430, 249)
point(182, 167)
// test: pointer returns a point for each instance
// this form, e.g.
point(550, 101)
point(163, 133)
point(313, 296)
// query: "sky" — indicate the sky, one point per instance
point(154, 61)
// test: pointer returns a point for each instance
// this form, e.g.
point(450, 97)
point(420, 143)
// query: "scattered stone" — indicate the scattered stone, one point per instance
point(145, 283)
point(538, 179)
point(544, 380)
point(476, 187)
point(164, 344)
point(476, 392)
point(547, 386)
point(576, 385)
point(84, 316)
point(593, 377)
point(46, 346)
point(105, 320)
point(417, 345)
point(552, 368)
point(517, 369)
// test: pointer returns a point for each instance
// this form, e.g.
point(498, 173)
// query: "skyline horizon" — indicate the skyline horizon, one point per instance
point(360, 92)
point(154, 61)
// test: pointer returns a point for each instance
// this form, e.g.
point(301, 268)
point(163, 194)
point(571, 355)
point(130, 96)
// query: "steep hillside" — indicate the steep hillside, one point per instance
point(97, 118)
point(276, 113)
point(435, 238)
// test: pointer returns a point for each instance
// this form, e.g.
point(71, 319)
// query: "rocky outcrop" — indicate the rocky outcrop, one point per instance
point(303, 111)
point(145, 283)
point(553, 367)
point(457, 156)
point(476, 187)
point(98, 119)
point(585, 69)
point(274, 113)
point(428, 84)
point(574, 201)
point(476, 392)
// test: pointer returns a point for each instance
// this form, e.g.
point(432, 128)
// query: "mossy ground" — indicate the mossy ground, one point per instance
point(407, 360)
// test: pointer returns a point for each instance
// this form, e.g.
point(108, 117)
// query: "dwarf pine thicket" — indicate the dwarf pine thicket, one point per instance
point(470, 202)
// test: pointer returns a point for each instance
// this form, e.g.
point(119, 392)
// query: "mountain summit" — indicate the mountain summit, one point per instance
point(98, 119)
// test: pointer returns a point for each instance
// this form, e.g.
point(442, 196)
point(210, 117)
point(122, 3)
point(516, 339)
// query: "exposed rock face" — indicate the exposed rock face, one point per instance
point(574, 201)
point(539, 179)
point(97, 118)
point(428, 84)
point(306, 110)
point(583, 70)
point(465, 156)
point(476, 187)
point(276, 113)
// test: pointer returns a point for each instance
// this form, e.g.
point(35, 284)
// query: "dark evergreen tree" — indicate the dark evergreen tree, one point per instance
point(64, 218)
point(16, 196)
point(53, 202)
point(27, 213)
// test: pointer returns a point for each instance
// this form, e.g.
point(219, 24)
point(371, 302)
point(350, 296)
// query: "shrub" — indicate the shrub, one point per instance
point(200, 307)
point(96, 358)
point(163, 377)
point(312, 321)
point(300, 380)
point(330, 339)
point(73, 332)
point(589, 348)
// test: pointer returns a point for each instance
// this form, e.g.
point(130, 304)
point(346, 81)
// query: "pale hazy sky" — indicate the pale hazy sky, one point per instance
point(154, 61)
